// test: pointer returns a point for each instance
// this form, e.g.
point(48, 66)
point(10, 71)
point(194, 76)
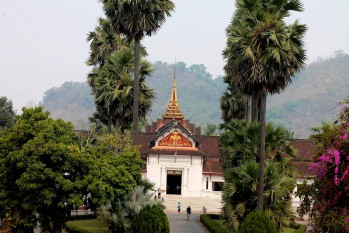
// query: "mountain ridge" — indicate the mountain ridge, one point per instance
point(313, 96)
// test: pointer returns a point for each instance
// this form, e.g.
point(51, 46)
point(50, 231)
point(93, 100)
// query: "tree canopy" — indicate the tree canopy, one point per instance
point(238, 145)
point(263, 53)
point(46, 168)
point(135, 19)
point(7, 114)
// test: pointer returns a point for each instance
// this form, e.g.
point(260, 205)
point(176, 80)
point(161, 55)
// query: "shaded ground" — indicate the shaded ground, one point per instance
point(180, 224)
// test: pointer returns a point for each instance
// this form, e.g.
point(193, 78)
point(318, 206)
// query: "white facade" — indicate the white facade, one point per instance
point(180, 174)
point(193, 182)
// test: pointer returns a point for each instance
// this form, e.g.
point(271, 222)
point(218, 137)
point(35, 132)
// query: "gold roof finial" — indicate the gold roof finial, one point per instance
point(173, 111)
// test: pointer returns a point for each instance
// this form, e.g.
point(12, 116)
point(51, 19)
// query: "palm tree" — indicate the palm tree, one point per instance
point(104, 40)
point(263, 54)
point(112, 86)
point(210, 130)
point(233, 102)
point(240, 193)
point(136, 19)
point(240, 140)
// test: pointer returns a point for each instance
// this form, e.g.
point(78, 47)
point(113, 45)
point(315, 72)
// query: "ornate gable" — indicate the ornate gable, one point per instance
point(175, 139)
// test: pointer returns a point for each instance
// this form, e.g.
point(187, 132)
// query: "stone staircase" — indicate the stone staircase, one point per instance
point(213, 205)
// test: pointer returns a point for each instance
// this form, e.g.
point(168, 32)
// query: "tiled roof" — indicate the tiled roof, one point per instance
point(172, 151)
point(144, 139)
point(212, 166)
point(304, 148)
point(302, 168)
point(209, 145)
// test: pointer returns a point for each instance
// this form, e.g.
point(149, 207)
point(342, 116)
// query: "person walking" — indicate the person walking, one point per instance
point(188, 212)
point(179, 208)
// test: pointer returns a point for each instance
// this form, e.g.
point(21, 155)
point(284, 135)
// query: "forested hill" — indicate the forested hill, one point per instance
point(311, 98)
point(198, 95)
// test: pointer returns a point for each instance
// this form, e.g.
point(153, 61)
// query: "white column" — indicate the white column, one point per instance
point(163, 176)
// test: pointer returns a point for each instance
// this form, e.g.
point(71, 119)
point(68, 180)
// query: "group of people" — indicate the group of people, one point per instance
point(179, 206)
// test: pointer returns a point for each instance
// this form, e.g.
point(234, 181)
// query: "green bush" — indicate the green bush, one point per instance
point(300, 228)
point(83, 217)
point(151, 220)
point(211, 225)
point(257, 222)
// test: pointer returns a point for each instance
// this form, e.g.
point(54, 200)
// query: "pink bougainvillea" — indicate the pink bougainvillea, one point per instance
point(331, 169)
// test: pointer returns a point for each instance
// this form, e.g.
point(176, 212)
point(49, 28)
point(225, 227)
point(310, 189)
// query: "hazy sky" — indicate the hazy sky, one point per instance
point(43, 42)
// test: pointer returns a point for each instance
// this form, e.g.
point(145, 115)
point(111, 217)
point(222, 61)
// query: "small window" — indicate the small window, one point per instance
point(206, 183)
point(217, 186)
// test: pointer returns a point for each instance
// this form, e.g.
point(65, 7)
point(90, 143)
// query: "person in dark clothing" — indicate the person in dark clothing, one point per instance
point(188, 212)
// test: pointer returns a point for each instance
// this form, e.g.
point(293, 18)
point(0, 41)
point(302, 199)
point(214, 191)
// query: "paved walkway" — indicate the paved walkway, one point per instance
point(180, 224)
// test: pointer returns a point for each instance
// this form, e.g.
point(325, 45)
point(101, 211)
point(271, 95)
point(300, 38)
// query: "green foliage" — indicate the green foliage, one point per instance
point(115, 168)
point(305, 193)
point(210, 130)
point(7, 114)
point(44, 170)
point(300, 228)
point(257, 222)
point(211, 225)
point(149, 220)
point(35, 155)
point(239, 142)
point(233, 102)
point(238, 145)
point(120, 213)
point(82, 217)
point(112, 87)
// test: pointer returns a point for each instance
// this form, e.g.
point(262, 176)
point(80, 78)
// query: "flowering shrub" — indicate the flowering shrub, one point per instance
point(330, 210)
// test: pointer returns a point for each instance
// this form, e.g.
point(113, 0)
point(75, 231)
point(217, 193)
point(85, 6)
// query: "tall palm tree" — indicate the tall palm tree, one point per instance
point(136, 19)
point(263, 54)
point(239, 142)
point(112, 86)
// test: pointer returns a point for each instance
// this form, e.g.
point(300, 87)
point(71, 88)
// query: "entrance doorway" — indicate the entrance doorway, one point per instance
point(174, 182)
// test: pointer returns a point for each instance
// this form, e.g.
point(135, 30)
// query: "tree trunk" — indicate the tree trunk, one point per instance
point(249, 109)
point(117, 127)
point(109, 124)
point(262, 152)
point(136, 91)
point(254, 107)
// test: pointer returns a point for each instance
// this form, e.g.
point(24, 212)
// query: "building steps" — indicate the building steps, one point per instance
point(213, 205)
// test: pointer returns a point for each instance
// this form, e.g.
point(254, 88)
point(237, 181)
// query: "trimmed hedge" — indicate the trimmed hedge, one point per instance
point(151, 219)
point(211, 225)
point(87, 226)
point(257, 221)
point(83, 217)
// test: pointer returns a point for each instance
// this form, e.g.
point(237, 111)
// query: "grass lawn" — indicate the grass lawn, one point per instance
point(91, 226)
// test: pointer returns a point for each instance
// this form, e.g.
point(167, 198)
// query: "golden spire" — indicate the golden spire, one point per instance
point(173, 111)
